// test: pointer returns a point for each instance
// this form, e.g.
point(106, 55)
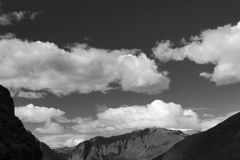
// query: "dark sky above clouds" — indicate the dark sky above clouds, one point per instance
point(79, 68)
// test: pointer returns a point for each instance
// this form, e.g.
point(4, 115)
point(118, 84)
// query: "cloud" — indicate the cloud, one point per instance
point(129, 118)
point(7, 36)
point(101, 108)
point(201, 109)
point(32, 16)
point(5, 20)
point(164, 51)
point(208, 115)
point(206, 75)
point(73, 142)
point(116, 121)
point(14, 17)
point(30, 95)
point(38, 66)
point(63, 139)
point(139, 74)
point(50, 128)
point(218, 46)
point(35, 114)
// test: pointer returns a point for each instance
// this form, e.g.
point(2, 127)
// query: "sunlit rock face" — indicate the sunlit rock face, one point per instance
point(221, 142)
point(16, 143)
point(138, 145)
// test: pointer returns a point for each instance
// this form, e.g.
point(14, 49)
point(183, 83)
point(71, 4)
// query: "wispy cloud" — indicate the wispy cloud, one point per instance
point(11, 18)
point(200, 109)
point(208, 115)
point(101, 108)
point(29, 95)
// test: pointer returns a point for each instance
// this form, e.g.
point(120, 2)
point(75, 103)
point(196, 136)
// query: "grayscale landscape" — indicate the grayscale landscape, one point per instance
point(119, 80)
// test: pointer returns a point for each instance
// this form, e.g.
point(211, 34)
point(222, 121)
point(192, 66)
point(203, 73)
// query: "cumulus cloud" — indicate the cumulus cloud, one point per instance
point(140, 74)
point(35, 114)
point(38, 66)
point(164, 51)
point(50, 128)
point(156, 114)
point(73, 142)
point(124, 119)
point(129, 118)
point(218, 46)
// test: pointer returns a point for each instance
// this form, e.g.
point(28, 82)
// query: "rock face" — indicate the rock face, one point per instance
point(49, 154)
point(221, 142)
point(138, 145)
point(16, 143)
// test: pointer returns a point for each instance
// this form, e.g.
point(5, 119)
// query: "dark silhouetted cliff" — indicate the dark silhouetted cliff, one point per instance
point(221, 142)
point(138, 145)
point(16, 143)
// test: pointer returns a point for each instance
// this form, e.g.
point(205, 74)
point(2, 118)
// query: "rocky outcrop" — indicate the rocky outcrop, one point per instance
point(138, 145)
point(221, 142)
point(16, 143)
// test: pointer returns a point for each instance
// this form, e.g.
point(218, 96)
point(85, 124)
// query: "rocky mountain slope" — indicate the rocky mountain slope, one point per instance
point(138, 145)
point(50, 154)
point(221, 142)
point(16, 143)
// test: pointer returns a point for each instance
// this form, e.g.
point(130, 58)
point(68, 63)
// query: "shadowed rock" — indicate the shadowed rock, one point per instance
point(16, 143)
point(221, 142)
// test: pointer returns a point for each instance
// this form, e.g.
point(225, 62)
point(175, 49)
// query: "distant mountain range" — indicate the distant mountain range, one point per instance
point(61, 153)
point(138, 145)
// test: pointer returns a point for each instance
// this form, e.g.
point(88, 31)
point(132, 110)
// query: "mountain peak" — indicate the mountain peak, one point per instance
point(141, 144)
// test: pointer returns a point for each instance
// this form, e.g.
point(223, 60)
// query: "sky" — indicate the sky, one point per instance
point(78, 69)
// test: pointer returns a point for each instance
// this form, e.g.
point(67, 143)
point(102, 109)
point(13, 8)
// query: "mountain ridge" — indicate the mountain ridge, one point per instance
point(221, 142)
point(141, 145)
